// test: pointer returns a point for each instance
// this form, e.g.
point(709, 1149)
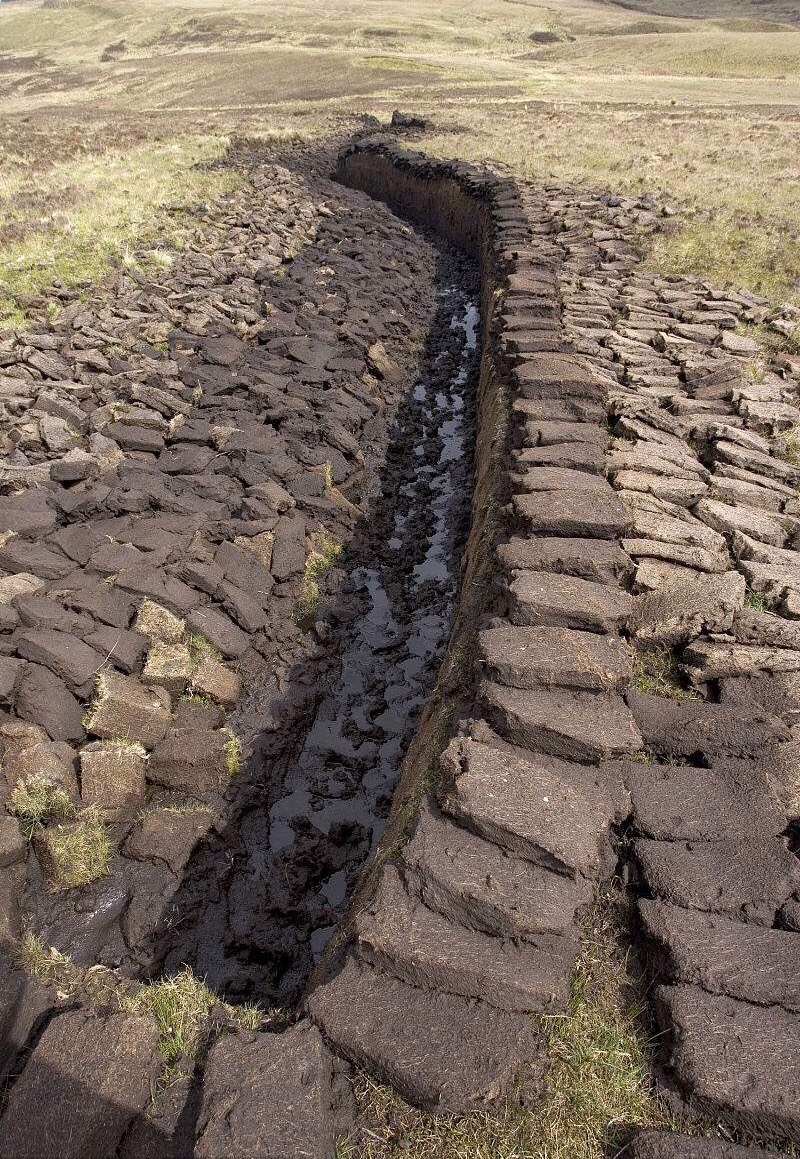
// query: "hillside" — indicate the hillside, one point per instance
point(757, 12)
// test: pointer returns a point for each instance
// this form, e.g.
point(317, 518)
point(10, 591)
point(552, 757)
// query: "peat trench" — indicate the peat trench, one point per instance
point(258, 903)
point(608, 589)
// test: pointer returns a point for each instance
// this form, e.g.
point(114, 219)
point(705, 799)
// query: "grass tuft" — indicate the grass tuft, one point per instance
point(77, 852)
point(37, 800)
point(42, 962)
point(325, 552)
point(233, 753)
point(656, 673)
point(180, 1006)
point(248, 1016)
point(195, 698)
point(756, 601)
point(199, 647)
point(599, 1077)
point(122, 742)
point(789, 446)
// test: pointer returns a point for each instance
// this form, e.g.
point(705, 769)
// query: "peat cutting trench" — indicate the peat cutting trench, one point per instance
point(380, 582)
point(259, 901)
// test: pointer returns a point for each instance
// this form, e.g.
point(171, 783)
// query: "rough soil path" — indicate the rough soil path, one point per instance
point(234, 538)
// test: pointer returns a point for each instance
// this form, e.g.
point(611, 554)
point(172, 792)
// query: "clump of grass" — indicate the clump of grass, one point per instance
point(249, 1016)
point(755, 371)
point(199, 647)
point(37, 800)
point(78, 852)
point(195, 698)
point(774, 343)
point(756, 601)
point(656, 673)
point(42, 962)
point(325, 551)
point(789, 446)
point(598, 1080)
point(97, 986)
point(233, 753)
point(180, 1006)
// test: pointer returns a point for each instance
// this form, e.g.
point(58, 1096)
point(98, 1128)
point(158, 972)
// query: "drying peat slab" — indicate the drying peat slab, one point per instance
point(701, 456)
point(234, 523)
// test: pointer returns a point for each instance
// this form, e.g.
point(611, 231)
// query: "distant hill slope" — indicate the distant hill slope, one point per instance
point(782, 11)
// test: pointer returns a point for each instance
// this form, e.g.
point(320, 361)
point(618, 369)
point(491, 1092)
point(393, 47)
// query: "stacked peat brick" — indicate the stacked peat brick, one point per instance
point(473, 928)
point(701, 455)
point(213, 413)
point(479, 910)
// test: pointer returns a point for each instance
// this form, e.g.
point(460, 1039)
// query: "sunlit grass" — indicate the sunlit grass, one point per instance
point(325, 552)
point(76, 852)
point(181, 1005)
point(733, 176)
point(36, 800)
point(122, 208)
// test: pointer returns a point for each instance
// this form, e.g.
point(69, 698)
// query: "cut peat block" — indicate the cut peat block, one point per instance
point(443, 1053)
point(575, 726)
point(546, 810)
point(735, 1060)
point(269, 1096)
point(86, 1080)
point(476, 883)
point(734, 959)
point(545, 599)
point(401, 936)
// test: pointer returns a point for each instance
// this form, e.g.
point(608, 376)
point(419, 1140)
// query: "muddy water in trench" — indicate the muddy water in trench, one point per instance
point(254, 916)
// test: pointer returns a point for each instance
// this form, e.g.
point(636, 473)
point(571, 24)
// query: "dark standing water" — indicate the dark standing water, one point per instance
point(253, 917)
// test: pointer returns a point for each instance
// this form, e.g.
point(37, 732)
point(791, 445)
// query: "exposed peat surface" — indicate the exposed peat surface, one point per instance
point(344, 665)
point(259, 899)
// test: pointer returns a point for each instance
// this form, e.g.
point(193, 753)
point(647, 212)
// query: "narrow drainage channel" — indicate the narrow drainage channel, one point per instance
point(252, 919)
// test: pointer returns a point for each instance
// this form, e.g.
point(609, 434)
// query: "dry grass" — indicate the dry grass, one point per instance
point(598, 1081)
point(656, 673)
point(788, 446)
point(37, 800)
point(76, 852)
point(180, 1006)
point(325, 552)
point(121, 209)
point(233, 753)
point(199, 647)
point(42, 962)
